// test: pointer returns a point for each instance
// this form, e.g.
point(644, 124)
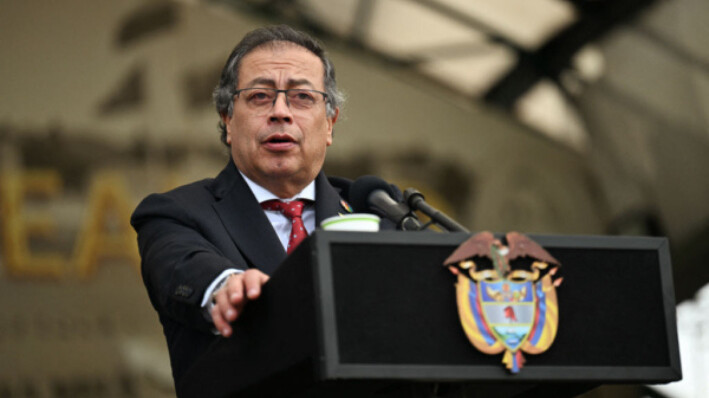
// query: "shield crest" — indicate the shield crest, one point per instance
point(508, 308)
point(503, 307)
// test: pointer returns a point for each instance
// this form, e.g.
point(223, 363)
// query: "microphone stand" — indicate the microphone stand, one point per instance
point(416, 201)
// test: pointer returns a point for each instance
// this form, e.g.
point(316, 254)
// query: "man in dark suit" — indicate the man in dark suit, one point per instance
point(207, 248)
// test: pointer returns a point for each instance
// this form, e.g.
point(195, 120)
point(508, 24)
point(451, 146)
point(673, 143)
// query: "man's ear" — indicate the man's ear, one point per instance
point(226, 119)
point(330, 125)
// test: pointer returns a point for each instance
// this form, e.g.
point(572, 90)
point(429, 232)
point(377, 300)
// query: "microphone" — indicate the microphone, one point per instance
point(416, 201)
point(370, 193)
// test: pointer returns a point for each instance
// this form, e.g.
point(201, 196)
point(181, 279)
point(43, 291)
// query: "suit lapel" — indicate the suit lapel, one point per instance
point(245, 221)
point(328, 202)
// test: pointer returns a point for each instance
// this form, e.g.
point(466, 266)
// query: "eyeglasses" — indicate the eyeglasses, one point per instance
point(263, 99)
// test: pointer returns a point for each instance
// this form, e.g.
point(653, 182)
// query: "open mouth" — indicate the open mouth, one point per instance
point(279, 142)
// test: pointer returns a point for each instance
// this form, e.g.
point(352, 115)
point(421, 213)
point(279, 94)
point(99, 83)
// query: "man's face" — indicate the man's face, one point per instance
point(280, 146)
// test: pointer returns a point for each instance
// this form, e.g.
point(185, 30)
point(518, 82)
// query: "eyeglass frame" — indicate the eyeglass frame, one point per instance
point(278, 91)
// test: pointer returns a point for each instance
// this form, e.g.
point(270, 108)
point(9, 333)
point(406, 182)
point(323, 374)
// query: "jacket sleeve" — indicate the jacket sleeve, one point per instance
point(178, 261)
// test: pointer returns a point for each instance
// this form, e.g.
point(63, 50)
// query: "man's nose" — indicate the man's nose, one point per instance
point(280, 111)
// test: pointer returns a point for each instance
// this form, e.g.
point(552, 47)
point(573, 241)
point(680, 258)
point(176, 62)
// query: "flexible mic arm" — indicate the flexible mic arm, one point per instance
point(416, 201)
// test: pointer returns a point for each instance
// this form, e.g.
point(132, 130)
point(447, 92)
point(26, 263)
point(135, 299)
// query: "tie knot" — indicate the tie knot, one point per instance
point(292, 209)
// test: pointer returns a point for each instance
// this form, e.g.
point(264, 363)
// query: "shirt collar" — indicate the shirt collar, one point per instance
point(262, 194)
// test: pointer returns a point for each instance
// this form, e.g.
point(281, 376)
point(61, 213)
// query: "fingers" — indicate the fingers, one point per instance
point(234, 290)
point(231, 298)
point(222, 312)
point(253, 280)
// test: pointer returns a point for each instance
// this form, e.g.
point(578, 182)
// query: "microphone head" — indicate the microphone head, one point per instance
point(363, 187)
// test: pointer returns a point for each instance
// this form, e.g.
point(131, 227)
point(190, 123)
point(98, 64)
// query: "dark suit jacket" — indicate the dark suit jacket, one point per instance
point(190, 235)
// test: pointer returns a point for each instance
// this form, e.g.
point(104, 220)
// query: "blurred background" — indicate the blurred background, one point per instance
point(579, 117)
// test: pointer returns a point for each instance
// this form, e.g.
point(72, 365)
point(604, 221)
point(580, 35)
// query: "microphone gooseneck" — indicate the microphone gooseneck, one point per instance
point(416, 201)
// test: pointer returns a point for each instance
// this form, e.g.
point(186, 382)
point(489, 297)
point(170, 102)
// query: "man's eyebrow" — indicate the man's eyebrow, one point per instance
point(262, 81)
point(300, 82)
point(272, 83)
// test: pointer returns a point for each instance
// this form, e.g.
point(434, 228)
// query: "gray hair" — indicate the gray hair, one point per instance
point(224, 93)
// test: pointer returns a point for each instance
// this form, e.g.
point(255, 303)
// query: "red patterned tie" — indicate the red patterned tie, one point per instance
point(293, 210)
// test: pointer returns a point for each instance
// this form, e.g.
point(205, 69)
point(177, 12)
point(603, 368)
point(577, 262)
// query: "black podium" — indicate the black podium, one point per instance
point(374, 314)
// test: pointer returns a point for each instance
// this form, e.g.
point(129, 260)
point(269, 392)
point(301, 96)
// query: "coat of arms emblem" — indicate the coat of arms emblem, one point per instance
point(506, 295)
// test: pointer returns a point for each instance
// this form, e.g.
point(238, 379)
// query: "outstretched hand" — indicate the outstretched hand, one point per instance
point(231, 298)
